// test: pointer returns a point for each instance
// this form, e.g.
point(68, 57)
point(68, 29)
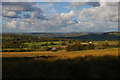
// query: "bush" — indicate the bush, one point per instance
point(21, 49)
point(47, 48)
point(63, 43)
point(69, 48)
point(85, 47)
point(69, 42)
point(46, 44)
point(106, 44)
point(75, 47)
point(118, 45)
point(91, 46)
point(52, 43)
point(78, 47)
point(34, 47)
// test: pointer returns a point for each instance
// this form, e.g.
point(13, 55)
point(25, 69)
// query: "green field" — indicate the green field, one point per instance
point(59, 43)
point(40, 43)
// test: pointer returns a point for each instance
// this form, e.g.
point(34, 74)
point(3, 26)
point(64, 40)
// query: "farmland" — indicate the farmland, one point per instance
point(59, 58)
point(25, 43)
point(63, 54)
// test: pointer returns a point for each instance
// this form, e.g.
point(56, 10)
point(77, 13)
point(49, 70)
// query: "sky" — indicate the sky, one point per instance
point(59, 16)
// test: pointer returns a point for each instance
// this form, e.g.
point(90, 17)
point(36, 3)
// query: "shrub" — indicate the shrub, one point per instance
point(51, 43)
point(69, 42)
point(63, 43)
point(118, 45)
point(34, 47)
point(106, 44)
point(46, 44)
point(47, 48)
point(69, 48)
point(75, 47)
point(85, 47)
point(91, 46)
point(21, 49)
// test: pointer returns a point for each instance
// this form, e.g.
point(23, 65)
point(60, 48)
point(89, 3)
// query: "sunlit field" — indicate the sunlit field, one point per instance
point(63, 54)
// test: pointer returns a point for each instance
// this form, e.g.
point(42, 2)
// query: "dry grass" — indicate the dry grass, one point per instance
point(63, 54)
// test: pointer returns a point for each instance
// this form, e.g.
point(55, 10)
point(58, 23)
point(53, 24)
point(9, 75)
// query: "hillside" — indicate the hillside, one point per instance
point(94, 36)
point(74, 35)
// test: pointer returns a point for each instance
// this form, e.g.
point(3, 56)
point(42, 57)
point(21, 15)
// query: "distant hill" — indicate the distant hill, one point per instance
point(96, 36)
point(77, 35)
point(67, 34)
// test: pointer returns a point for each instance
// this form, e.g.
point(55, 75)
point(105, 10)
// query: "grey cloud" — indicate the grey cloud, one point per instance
point(65, 22)
point(27, 16)
point(94, 4)
point(18, 7)
point(79, 4)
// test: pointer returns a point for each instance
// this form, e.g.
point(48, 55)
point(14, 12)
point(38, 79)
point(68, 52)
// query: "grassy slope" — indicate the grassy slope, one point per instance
point(63, 54)
point(98, 68)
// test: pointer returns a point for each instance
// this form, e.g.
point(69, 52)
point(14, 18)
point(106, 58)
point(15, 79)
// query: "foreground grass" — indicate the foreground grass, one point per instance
point(88, 67)
point(64, 54)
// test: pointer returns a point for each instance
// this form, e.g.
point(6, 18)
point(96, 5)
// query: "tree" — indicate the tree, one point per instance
point(106, 44)
point(47, 48)
point(46, 44)
point(34, 47)
point(63, 43)
point(21, 49)
point(91, 46)
point(69, 42)
point(51, 43)
point(69, 48)
point(75, 47)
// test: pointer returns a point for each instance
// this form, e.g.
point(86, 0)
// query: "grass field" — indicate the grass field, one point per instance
point(99, 68)
point(109, 42)
point(63, 54)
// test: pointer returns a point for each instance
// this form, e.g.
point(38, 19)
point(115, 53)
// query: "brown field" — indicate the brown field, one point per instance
point(63, 54)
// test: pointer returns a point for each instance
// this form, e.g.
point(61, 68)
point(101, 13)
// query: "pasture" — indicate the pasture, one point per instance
point(38, 45)
point(64, 54)
point(89, 67)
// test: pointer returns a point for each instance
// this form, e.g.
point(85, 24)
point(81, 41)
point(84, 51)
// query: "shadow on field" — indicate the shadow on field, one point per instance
point(89, 67)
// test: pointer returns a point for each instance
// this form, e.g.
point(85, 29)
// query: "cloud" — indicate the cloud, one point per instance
point(14, 9)
point(43, 6)
point(59, 0)
point(105, 12)
point(18, 6)
point(69, 15)
point(91, 27)
point(12, 24)
point(79, 4)
point(10, 14)
point(99, 18)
